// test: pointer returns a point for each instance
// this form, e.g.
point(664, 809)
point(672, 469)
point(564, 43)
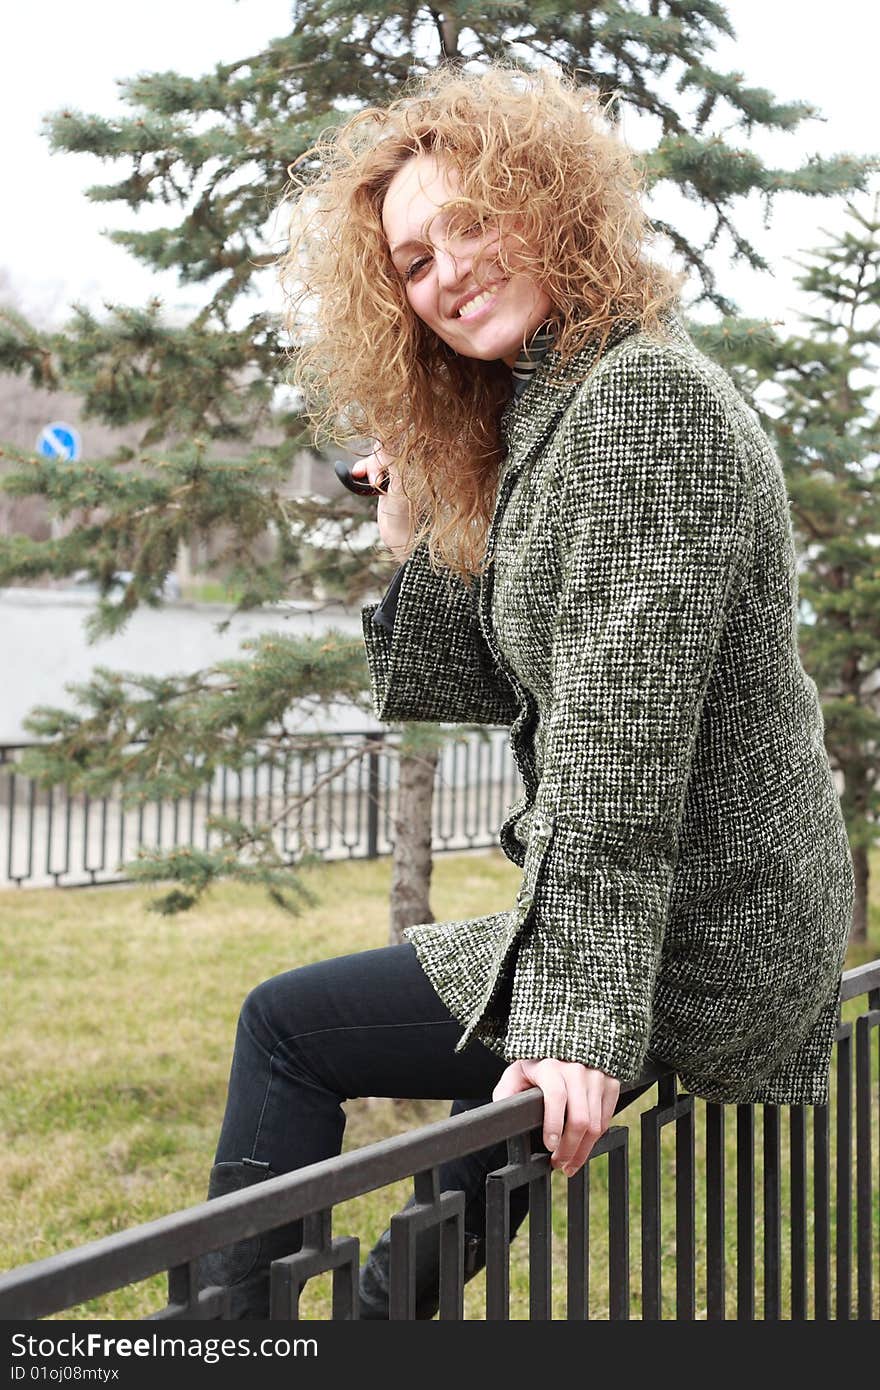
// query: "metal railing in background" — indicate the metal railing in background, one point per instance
point(55, 837)
point(828, 1205)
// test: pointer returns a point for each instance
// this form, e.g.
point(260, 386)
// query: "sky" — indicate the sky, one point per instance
point(71, 52)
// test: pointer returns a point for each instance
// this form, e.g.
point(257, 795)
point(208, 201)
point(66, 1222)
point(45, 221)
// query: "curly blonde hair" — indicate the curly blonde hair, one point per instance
point(524, 145)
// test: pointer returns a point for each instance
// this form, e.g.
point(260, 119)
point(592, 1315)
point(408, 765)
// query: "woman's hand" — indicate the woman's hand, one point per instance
point(393, 509)
point(579, 1102)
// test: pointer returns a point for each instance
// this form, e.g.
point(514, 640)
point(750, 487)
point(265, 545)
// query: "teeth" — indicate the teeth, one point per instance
point(475, 303)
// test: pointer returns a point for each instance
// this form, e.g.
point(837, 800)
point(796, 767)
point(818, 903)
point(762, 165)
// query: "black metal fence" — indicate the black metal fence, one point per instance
point(55, 837)
point(823, 1196)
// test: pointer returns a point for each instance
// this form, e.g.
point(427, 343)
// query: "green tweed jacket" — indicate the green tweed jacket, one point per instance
point(687, 880)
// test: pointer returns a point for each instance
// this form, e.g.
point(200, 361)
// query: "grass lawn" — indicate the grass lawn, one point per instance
point(114, 1059)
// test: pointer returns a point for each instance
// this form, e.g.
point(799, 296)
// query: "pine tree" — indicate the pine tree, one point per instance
point(215, 151)
point(816, 392)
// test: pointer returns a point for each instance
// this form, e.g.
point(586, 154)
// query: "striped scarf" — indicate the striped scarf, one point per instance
point(527, 362)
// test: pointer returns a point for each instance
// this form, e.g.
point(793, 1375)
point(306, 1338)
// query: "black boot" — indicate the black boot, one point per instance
point(373, 1284)
point(243, 1268)
point(374, 1281)
point(468, 1175)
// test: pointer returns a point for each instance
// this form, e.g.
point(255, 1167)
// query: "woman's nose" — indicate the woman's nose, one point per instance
point(450, 268)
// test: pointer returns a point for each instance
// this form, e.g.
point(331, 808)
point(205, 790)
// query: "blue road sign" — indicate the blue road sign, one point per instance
point(59, 441)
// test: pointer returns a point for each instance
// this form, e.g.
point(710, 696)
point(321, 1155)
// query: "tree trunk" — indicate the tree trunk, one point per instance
point(859, 931)
point(412, 861)
point(857, 805)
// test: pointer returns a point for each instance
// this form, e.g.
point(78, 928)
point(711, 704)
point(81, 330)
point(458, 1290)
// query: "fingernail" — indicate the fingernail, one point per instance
point(554, 1138)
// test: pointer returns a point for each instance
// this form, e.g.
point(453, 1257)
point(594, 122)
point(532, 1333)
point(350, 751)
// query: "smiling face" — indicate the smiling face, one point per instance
point(440, 277)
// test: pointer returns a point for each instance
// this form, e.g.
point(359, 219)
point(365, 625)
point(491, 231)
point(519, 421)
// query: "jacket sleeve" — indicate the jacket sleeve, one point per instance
point(657, 532)
point(428, 660)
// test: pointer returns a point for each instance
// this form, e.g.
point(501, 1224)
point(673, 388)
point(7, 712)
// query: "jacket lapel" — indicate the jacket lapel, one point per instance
point(527, 423)
point(529, 419)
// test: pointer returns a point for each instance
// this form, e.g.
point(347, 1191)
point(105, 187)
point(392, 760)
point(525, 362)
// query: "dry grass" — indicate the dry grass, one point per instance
point(115, 1054)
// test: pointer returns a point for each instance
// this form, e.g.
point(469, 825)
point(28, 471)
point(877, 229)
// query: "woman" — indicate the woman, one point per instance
point(596, 550)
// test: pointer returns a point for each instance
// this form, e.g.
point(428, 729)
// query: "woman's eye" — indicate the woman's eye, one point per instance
point(474, 230)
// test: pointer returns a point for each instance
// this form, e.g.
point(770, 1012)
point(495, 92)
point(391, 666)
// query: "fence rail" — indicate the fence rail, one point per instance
point(833, 1207)
point(56, 837)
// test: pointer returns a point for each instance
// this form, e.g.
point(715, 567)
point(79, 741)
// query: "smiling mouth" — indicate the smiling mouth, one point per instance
point(479, 302)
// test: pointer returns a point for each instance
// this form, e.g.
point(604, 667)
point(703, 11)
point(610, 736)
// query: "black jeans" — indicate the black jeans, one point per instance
point(366, 1024)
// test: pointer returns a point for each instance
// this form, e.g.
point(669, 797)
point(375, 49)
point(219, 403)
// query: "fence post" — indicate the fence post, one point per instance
point(377, 738)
